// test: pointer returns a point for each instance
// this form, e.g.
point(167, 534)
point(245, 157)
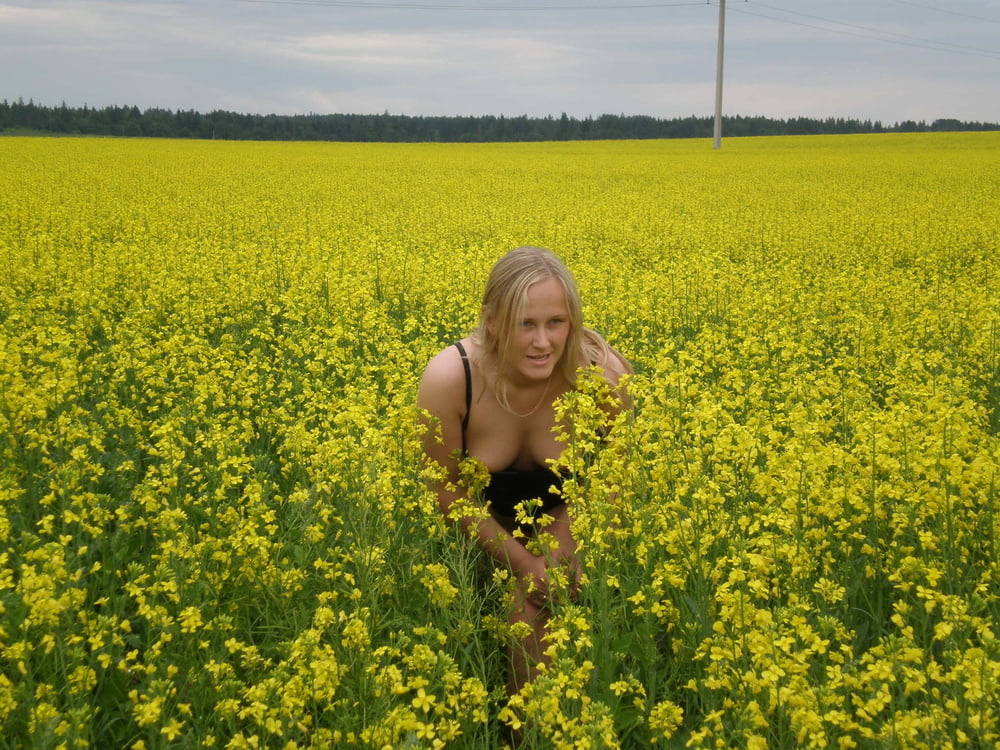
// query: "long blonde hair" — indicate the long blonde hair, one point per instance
point(505, 298)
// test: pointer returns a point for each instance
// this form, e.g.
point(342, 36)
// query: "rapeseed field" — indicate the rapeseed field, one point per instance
point(215, 530)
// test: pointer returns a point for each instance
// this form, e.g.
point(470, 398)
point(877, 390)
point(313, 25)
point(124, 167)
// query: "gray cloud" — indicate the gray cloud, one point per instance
point(888, 59)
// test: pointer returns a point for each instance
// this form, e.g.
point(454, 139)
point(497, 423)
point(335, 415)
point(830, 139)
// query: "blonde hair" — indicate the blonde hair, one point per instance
point(505, 298)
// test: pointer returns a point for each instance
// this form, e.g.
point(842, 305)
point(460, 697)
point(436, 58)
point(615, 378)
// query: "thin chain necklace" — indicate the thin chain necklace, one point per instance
point(505, 403)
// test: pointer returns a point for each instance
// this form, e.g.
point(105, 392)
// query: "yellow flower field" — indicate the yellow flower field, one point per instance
point(214, 527)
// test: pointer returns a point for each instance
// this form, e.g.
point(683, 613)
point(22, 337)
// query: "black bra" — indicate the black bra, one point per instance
point(509, 487)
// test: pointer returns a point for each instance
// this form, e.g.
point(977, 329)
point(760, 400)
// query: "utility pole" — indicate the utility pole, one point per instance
point(718, 75)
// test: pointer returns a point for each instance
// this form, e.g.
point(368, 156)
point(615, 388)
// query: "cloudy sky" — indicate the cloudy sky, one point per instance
point(889, 60)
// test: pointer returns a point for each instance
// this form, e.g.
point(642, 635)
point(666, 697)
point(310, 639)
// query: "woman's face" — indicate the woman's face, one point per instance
point(539, 338)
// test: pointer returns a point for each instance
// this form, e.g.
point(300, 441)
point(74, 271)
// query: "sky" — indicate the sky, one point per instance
point(886, 60)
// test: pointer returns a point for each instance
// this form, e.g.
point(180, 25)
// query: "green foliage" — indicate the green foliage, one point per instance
point(30, 118)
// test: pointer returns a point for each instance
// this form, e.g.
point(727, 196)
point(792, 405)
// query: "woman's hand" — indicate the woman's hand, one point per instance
point(539, 579)
point(533, 580)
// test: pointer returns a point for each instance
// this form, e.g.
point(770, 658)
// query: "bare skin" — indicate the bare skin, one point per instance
point(518, 436)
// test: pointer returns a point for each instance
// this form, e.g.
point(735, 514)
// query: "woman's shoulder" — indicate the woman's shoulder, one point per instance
point(616, 366)
point(444, 378)
point(615, 369)
point(611, 362)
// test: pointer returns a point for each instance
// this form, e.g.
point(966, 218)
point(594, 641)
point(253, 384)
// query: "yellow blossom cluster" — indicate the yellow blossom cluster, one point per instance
point(215, 525)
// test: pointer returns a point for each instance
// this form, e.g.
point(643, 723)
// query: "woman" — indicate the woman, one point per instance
point(491, 397)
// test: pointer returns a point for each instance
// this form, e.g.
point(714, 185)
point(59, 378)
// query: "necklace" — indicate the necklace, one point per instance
point(505, 403)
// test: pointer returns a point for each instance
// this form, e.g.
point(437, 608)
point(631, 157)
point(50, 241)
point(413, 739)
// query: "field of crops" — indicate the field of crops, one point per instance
point(214, 528)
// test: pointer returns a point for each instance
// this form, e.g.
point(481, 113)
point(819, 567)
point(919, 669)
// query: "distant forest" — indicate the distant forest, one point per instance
point(21, 117)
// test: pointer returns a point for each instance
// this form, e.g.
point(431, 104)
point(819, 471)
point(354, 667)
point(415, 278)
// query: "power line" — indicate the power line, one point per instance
point(879, 35)
point(949, 11)
point(879, 31)
point(466, 7)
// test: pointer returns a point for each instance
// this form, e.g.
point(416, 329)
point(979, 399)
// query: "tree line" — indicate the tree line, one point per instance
point(21, 117)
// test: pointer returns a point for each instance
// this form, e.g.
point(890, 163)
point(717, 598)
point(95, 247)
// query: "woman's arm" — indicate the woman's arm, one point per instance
point(441, 403)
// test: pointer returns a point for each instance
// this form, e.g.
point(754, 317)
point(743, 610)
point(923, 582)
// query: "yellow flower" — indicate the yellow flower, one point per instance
point(664, 719)
point(190, 619)
point(423, 701)
point(172, 729)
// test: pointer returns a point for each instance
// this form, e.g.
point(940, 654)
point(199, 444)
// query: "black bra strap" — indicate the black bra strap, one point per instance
point(468, 390)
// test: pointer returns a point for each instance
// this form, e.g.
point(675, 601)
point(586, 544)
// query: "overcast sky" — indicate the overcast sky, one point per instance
point(887, 60)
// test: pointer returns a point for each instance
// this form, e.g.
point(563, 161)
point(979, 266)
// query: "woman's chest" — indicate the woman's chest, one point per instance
point(502, 440)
